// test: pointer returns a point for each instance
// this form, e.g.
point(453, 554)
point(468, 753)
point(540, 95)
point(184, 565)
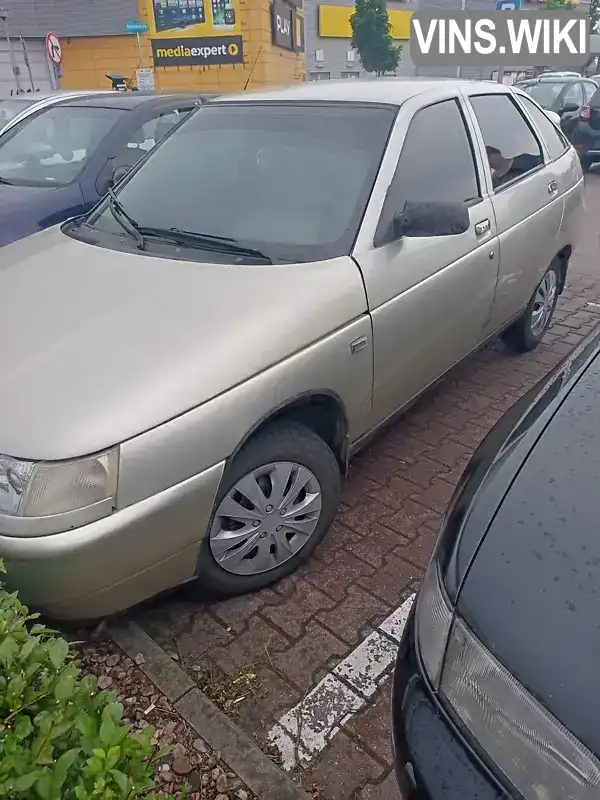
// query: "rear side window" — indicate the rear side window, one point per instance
point(555, 141)
point(512, 149)
point(436, 164)
point(589, 89)
point(574, 94)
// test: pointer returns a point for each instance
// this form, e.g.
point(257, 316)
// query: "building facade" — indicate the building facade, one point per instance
point(329, 54)
point(181, 45)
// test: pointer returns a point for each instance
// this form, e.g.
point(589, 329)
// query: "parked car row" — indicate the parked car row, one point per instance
point(576, 100)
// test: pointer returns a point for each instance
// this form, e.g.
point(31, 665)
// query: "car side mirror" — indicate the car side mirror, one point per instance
point(569, 108)
point(107, 180)
point(119, 174)
point(432, 219)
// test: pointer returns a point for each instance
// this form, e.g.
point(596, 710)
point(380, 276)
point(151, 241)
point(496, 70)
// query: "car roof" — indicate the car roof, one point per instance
point(383, 90)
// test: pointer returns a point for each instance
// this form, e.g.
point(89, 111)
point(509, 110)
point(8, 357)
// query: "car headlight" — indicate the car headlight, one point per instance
point(433, 620)
point(42, 489)
point(538, 755)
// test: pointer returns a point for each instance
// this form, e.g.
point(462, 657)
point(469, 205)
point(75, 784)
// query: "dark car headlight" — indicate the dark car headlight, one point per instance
point(534, 751)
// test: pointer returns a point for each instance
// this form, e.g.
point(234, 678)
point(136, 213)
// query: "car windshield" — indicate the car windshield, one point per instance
point(545, 92)
point(11, 107)
point(291, 181)
point(52, 146)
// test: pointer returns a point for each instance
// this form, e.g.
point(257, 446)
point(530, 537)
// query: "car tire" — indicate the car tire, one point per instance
point(528, 331)
point(264, 463)
point(586, 163)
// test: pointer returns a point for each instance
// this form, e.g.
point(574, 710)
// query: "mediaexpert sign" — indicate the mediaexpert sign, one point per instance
point(207, 51)
point(282, 25)
point(195, 32)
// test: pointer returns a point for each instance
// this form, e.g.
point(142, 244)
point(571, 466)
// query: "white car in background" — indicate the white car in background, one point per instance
point(14, 108)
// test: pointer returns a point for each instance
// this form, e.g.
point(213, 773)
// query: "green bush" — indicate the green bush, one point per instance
point(60, 737)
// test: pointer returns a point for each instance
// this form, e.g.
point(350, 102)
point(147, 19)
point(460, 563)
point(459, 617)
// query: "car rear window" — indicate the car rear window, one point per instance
point(553, 138)
point(545, 92)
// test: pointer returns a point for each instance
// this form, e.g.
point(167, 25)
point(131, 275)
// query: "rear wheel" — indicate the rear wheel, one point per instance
point(528, 331)
point(275, 505)
point(586, 163)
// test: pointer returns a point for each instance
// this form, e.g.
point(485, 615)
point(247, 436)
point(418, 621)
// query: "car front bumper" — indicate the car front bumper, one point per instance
point(120, 560)
point(433, 761)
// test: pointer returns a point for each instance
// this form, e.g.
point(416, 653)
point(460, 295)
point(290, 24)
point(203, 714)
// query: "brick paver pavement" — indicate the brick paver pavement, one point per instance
point(293, 633)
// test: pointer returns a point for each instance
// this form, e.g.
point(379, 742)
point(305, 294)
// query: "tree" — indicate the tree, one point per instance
point(372, 37)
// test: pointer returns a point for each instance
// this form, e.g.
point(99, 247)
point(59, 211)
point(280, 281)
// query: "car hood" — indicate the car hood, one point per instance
point(102, 345)
point(24, 209)
point(532, 592)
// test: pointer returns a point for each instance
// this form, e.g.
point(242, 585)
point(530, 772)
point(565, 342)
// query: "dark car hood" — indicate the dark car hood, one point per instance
point(27, 209)
point(532, 593)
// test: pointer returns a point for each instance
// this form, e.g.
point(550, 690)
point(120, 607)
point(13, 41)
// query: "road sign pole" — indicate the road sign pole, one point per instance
point(139, 49)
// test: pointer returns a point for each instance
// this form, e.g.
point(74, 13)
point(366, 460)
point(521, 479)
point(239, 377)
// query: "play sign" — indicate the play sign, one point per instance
point(54, 49)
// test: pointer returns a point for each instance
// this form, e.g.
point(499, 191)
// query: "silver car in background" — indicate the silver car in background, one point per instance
point(199, 357)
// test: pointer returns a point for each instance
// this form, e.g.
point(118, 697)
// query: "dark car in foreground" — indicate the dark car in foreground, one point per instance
point(496, 684)
point(59, 162)
point(563, 94)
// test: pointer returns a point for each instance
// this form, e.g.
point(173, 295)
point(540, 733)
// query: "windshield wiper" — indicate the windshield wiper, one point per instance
point(205, 241)
point(4, 181)
point(125, 221)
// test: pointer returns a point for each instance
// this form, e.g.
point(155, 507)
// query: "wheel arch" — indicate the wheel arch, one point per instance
point(563, 257)
point(322, 411)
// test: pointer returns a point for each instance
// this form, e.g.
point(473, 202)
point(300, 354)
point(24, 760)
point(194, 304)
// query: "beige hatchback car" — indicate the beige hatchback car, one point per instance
point(191, 366)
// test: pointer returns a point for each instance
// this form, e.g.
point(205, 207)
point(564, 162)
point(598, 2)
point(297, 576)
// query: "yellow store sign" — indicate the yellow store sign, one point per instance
point(195, 32)
point(334, 22)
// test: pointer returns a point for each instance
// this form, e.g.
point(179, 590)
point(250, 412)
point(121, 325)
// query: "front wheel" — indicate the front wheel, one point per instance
point(528, 331)
point(586, 163)
point(275, 505)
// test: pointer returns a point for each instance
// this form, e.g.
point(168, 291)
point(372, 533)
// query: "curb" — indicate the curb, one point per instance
point(237, 749)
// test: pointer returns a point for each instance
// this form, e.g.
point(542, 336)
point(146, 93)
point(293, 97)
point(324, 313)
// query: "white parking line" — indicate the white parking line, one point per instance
point(305, 730)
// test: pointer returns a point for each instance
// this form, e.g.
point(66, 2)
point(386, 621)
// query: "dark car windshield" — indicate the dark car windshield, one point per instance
point(545, 92)
point(11, 107)
point(52, 146)
point(289, 180)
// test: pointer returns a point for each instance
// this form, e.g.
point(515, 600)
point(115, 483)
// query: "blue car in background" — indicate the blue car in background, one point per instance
point(59, 162)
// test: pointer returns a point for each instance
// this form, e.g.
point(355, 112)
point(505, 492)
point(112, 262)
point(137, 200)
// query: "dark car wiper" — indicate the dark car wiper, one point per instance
point(5, 182)
point(125, 221)
point(205, 241)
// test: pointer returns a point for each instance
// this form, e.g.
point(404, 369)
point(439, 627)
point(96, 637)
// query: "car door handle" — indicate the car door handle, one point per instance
point(482, 227)
point(552, 187)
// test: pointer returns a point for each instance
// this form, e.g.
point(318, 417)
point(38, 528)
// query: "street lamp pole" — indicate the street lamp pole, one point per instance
point(11, 52)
